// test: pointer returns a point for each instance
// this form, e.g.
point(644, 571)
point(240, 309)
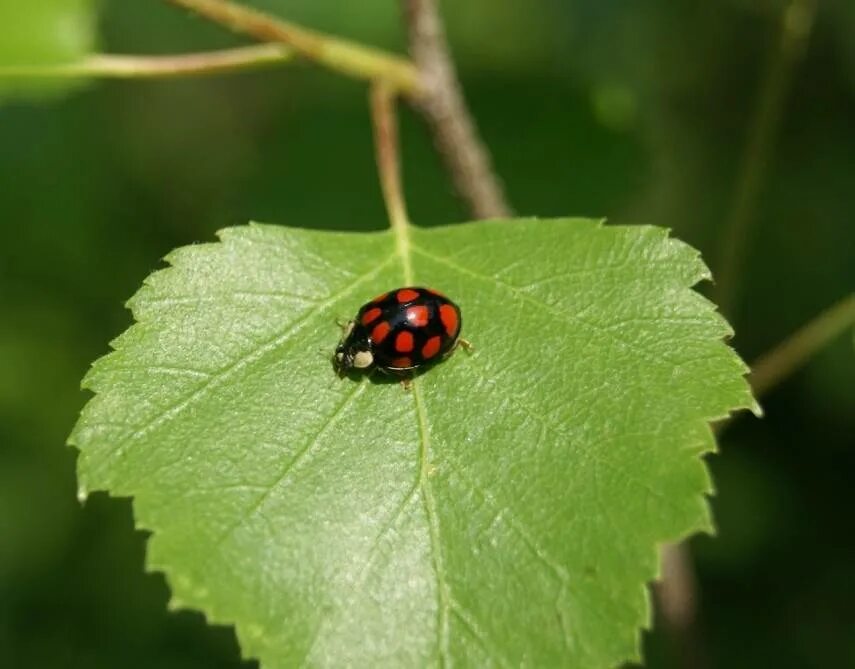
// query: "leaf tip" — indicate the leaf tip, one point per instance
point(756, 409)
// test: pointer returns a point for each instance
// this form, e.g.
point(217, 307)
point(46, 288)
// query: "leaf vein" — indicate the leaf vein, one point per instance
point(229, 370)
point(477, 633)
point(293, 462)
point(252, 297)
point(524, 297)
point(443, 594)
point(519, 527)
point(163, 369)
point(387, 526)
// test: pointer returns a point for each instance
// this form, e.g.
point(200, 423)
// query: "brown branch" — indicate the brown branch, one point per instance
point(442, 104)
point(344, 56)
point(677, 595)
point(431, 84)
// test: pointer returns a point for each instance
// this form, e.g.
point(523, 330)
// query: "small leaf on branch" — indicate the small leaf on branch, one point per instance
point(43, 33)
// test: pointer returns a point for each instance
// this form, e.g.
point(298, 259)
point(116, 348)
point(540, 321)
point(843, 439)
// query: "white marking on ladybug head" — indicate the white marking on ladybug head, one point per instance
point(339, 356)
point(363, 359)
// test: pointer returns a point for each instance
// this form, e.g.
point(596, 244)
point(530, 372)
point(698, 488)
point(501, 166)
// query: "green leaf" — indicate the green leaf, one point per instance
point(507, 510)
point(43, 33)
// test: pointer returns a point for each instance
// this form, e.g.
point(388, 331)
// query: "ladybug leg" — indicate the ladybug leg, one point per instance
point(465, 343)
point(404, 376)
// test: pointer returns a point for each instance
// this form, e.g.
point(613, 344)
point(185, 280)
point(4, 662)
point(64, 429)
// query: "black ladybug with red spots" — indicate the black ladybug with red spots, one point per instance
point(400, 331)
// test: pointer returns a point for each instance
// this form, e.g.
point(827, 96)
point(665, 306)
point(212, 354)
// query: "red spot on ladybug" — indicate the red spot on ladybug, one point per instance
point(431, 348)
point(404, 342)
point(371, 315)
point(448, 315)
point(399, 331)
point(417, 316)
point(406, 295)
point(378, 334)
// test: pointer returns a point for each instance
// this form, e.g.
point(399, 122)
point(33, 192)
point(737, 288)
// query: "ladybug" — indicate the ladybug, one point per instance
point(400, 331)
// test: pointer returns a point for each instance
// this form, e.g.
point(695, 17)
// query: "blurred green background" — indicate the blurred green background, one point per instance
point(635, 111)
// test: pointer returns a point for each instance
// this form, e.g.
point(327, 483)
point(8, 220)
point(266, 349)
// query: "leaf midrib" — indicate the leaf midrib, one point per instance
point(403, 249)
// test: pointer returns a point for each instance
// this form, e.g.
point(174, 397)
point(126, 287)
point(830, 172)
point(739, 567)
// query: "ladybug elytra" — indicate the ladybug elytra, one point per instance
point(399, 331)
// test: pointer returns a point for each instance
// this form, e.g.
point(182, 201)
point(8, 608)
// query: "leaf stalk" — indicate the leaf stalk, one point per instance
point(121, 66)
point(386, 145)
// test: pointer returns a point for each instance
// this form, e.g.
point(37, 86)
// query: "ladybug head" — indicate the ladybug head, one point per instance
point(352, 352)
point(348, 358)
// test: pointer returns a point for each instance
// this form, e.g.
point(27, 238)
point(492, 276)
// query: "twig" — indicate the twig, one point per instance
point(444, 108)
point(796, 25)
point(771, 368)
point(142, 67)
point(677, 594)
point(434, 87)
point(335, 53)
